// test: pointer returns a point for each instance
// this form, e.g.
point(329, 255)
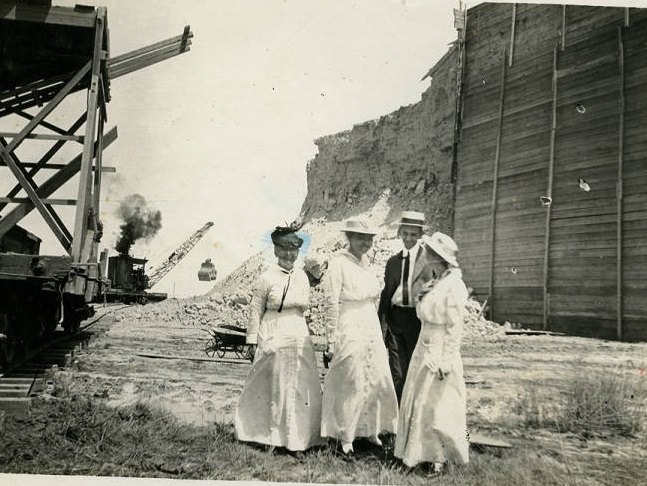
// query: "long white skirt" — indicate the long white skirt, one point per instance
point(359, 397)
point(280, 404)
point(432, 425)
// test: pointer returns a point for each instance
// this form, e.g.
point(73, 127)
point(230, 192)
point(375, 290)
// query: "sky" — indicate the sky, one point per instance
point(224, 132)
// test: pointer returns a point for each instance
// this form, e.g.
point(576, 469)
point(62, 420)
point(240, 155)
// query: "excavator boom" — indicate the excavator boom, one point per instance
point(159, 272)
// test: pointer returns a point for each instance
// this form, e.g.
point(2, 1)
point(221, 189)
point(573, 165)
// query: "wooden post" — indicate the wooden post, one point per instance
point(512, 32)
point(549, 193)
point(495, 184)
point(563, 43)
point(626, 16)
point(460, 71)
point(81, 217)
point(619, 187)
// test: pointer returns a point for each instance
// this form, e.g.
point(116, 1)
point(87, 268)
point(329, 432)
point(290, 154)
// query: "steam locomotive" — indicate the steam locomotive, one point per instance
point(128, 281)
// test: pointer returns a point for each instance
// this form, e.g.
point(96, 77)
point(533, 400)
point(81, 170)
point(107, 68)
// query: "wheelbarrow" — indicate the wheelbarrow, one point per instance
point(228, 338)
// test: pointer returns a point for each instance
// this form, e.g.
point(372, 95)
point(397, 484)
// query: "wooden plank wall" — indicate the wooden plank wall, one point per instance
point(511, 245)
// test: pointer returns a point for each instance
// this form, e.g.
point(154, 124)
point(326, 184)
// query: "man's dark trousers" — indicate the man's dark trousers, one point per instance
point(403, 329)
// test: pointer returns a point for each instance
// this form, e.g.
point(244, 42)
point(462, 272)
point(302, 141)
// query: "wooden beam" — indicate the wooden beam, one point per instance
point(52, 212)
point(47, 125)
point(104, 169)
point(20, 200)
point(30, 189)
point(47, 109)
point(458, 111)
point(512, 32)
point(45, 136)
point(83, 200)
point(145, 61)
point(148, 49)
point(549, 195)
point(50, 186)
point(563, 42)
point(48, 155)
point(495, 184)
point(78, 17)
point(96, 204)
point(620, 181)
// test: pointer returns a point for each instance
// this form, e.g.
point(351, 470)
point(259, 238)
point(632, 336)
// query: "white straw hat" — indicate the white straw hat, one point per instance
point(358, 225)
point(412, 218)
point(444, 245)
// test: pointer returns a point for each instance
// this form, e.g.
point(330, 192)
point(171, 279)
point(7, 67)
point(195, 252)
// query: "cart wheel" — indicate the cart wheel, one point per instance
point(220, 348)
point(210, 348)
point(248, 354)
point(240, 351)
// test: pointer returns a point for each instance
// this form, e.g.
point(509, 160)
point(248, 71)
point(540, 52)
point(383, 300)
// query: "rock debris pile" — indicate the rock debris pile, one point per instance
point(228, 302)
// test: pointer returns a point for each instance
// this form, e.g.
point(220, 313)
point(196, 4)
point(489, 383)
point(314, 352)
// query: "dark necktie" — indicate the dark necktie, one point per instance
point(405, 281)
point(285, 291)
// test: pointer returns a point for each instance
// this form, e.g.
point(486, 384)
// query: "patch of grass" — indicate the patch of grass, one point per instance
point(80, 436)
point(604, 404)
point(593, 404)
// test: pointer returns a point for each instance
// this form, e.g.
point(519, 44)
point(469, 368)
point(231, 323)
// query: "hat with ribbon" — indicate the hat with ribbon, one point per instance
point(358, 225)
point(444, 246)
point(412, 218)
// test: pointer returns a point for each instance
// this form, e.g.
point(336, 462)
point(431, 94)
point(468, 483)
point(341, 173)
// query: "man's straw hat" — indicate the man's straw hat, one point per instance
point(412, 218)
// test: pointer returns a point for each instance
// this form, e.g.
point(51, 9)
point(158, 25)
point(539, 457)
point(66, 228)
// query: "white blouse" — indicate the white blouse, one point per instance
point(347, 279)
point(268, 292)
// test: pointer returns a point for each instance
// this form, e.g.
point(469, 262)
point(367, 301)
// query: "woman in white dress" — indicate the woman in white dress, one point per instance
point(432, 424)
point(359, 397)
point(280, 404)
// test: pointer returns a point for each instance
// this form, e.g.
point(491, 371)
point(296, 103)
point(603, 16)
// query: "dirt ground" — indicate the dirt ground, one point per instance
point(118, 369)
point(136, 357)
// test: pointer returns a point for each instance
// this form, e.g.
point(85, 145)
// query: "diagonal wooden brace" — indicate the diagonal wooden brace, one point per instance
point(47, 109)
point(27, 186)
point(47, 157)
point(50, 186)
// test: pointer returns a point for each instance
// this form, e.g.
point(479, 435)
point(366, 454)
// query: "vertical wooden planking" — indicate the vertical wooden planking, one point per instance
point(495, 181)
point(549, 192)
point(619, 192)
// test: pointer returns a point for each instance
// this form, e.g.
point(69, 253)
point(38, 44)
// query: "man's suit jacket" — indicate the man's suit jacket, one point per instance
point(392, 275)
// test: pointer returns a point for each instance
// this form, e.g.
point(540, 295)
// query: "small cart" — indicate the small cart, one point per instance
point(228, 338)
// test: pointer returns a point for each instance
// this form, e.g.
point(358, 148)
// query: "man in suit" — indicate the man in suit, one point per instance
point(397, 310)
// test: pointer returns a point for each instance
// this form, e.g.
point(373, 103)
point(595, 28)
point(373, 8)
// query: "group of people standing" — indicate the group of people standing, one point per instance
point(395, 369)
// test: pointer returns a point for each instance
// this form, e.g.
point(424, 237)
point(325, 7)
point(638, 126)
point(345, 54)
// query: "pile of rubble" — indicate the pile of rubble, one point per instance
point(228, 302)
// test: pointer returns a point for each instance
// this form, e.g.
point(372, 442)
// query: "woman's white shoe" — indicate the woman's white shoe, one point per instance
point(374, 439)
point(347, 447)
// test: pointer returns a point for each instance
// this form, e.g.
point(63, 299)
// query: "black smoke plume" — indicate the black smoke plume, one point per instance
point(140, 221)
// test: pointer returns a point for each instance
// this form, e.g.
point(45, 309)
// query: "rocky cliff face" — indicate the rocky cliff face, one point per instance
point(407, 154)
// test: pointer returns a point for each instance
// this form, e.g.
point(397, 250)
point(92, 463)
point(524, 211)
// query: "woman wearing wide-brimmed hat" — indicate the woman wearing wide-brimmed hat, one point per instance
point(432, 423)
point(359, 397)
point(280, 404)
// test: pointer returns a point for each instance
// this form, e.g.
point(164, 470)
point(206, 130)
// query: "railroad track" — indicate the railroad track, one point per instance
point(23, 380)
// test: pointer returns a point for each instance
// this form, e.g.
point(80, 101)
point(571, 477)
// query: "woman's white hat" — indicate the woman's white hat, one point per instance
point(444, 245)
point(358, 225)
